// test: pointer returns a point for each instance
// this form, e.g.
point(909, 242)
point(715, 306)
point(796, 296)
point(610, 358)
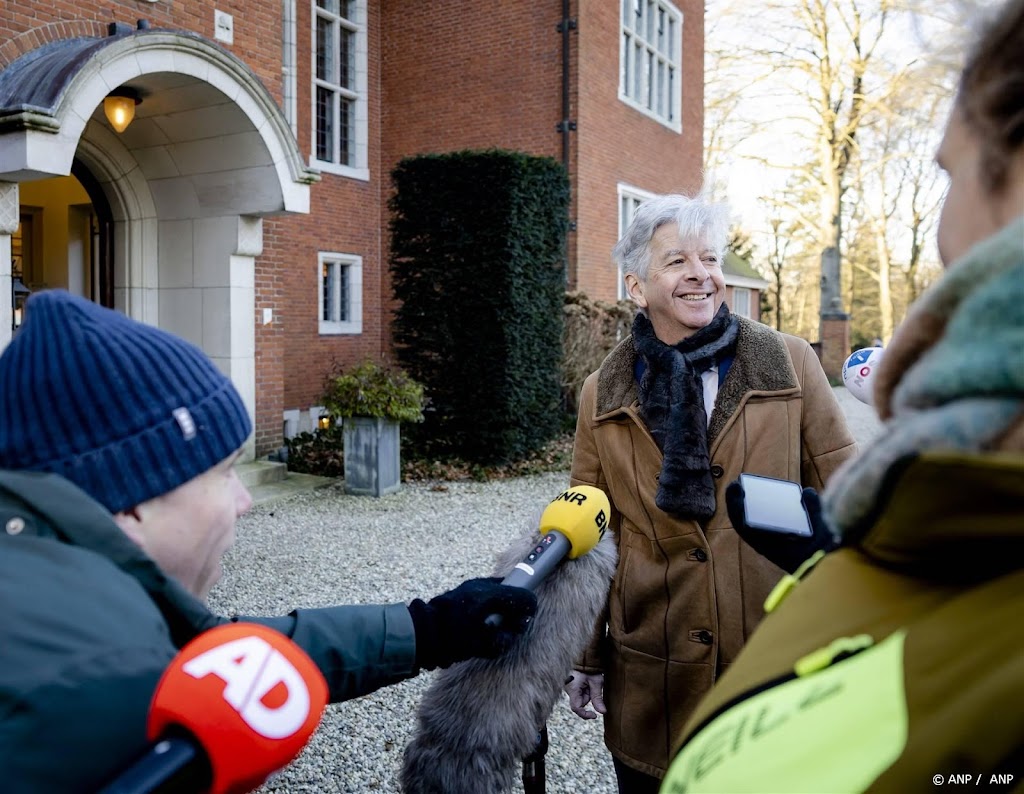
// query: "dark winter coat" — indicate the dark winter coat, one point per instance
point(687, 594)
point(90, 622)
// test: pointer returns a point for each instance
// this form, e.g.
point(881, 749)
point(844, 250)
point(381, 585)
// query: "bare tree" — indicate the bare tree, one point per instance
point(779, 244)
point(897, 190)
point(801, 86)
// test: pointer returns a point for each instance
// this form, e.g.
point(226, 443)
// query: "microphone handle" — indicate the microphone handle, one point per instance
point(535, 566)
point(173, 764)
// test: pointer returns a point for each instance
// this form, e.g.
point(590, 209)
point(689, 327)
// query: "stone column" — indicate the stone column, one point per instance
point(834, 323)
point(835, 343)
point(9, 219)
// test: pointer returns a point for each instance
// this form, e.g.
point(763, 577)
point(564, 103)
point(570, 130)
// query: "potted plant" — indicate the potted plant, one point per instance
point(372, 399)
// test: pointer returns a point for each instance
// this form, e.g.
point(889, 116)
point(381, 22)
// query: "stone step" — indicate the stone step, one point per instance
point(294, 483)
point(260, 472)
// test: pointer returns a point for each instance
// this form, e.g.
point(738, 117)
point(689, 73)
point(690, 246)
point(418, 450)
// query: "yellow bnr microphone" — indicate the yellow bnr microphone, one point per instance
point(571, 525)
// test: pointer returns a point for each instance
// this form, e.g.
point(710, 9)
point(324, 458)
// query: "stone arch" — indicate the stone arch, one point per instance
point(48, 98)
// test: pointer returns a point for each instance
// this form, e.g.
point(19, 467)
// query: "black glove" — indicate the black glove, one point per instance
point(451, 627)
point(782, 548)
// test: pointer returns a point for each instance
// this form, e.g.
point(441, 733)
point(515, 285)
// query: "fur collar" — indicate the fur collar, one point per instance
point(762, 364)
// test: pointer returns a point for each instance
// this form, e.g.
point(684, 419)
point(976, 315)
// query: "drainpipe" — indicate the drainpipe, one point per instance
point(566, 125)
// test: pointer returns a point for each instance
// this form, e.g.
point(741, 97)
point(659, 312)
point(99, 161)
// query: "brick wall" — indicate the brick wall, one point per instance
point(26, 24)
point(486, 76)
point(345, 217)
point(617, 143)
point(834, 346)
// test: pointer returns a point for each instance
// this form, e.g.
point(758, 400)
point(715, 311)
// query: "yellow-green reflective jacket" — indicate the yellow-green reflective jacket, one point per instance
point(896, 665)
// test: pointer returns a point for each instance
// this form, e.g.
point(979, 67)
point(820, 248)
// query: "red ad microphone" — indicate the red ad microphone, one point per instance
point(238, 703)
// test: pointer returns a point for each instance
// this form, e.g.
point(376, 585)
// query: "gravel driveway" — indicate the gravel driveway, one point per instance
point(326, 548)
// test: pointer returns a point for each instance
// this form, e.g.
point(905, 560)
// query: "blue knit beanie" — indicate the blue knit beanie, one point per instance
point(124, 410)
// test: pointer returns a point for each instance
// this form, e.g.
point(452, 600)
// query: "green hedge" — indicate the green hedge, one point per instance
point(477, 246)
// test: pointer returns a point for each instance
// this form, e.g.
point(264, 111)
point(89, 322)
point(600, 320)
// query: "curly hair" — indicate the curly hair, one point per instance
point(991, 91)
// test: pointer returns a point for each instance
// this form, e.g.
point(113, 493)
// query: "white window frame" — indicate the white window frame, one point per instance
point(358, 93)
point(630, 198)
point(655, 85)
point(354, 265)
point(289, 74)
point(749, 295)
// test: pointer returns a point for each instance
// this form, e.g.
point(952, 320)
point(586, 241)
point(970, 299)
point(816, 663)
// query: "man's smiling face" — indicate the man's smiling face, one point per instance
point(684, 285)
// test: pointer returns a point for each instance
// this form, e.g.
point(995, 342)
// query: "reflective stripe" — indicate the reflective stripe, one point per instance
point(786, 584)
point(835, 730)
point(823, 657)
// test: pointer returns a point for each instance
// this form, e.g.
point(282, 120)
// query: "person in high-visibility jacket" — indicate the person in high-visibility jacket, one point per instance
point(895, 662)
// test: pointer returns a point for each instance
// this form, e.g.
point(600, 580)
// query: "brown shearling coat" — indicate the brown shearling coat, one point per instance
point(687, 595)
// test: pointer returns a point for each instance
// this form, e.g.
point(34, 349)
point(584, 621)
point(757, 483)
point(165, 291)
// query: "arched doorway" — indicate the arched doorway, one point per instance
point(64, 237)
point(101, 235)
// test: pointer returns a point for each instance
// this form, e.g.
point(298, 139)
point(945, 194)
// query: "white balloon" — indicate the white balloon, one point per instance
point(859, 372)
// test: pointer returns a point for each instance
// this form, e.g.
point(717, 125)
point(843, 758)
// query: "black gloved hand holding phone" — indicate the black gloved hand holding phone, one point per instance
point(779, 520)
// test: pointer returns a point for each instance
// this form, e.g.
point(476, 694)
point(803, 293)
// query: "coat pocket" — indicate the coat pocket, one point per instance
point(638, 593)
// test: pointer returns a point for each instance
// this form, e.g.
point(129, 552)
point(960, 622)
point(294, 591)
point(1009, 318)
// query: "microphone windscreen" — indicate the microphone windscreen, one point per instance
point(579, 513)
point(248, 695)
point(479, 718)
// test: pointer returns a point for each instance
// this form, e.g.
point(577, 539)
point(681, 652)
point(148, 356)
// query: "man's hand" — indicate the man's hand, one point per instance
point(782, 548)
point(452, 626)
point(584, 690)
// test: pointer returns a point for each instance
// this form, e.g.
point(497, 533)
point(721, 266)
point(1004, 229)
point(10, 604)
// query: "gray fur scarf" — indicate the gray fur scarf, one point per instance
point(480, 718)
point(671, 397)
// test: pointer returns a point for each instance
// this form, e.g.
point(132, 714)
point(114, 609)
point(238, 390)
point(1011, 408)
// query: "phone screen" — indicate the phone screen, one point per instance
point(774, 505)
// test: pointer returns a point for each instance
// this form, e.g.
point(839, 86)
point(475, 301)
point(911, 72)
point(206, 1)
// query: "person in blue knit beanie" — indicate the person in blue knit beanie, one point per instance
point(118, 498)
point(138, 418)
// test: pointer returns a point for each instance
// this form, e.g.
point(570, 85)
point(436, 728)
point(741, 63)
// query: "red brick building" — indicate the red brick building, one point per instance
point(245, 206)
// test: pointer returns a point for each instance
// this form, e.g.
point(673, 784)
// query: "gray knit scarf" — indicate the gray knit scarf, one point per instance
point(951, 379)
point(671, 395)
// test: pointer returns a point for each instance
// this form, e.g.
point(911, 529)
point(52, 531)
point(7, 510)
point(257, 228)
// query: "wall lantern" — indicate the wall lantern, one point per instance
point(119, 107)
point(324, 422)
point(19, 294)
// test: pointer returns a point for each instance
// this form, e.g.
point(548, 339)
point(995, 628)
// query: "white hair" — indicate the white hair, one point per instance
point(699, 219)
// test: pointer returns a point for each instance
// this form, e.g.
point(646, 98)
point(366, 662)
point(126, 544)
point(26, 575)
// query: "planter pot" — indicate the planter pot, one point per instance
point(372, 456)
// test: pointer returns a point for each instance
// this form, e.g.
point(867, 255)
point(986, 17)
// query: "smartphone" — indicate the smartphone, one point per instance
point(774, 505)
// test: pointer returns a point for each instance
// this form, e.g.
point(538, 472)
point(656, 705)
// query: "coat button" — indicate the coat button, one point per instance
point(705, 637)
point(700, 555)
point(15, 525)
point(717, 471)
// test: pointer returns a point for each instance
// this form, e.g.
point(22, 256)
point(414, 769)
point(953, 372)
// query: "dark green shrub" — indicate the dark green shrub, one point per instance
point(380, 391)
point(320, 452)
point(592, 329)
point(477, 247)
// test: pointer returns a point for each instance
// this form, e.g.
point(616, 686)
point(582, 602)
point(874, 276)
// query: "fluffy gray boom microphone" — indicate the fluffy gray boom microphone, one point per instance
point(479, 718)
